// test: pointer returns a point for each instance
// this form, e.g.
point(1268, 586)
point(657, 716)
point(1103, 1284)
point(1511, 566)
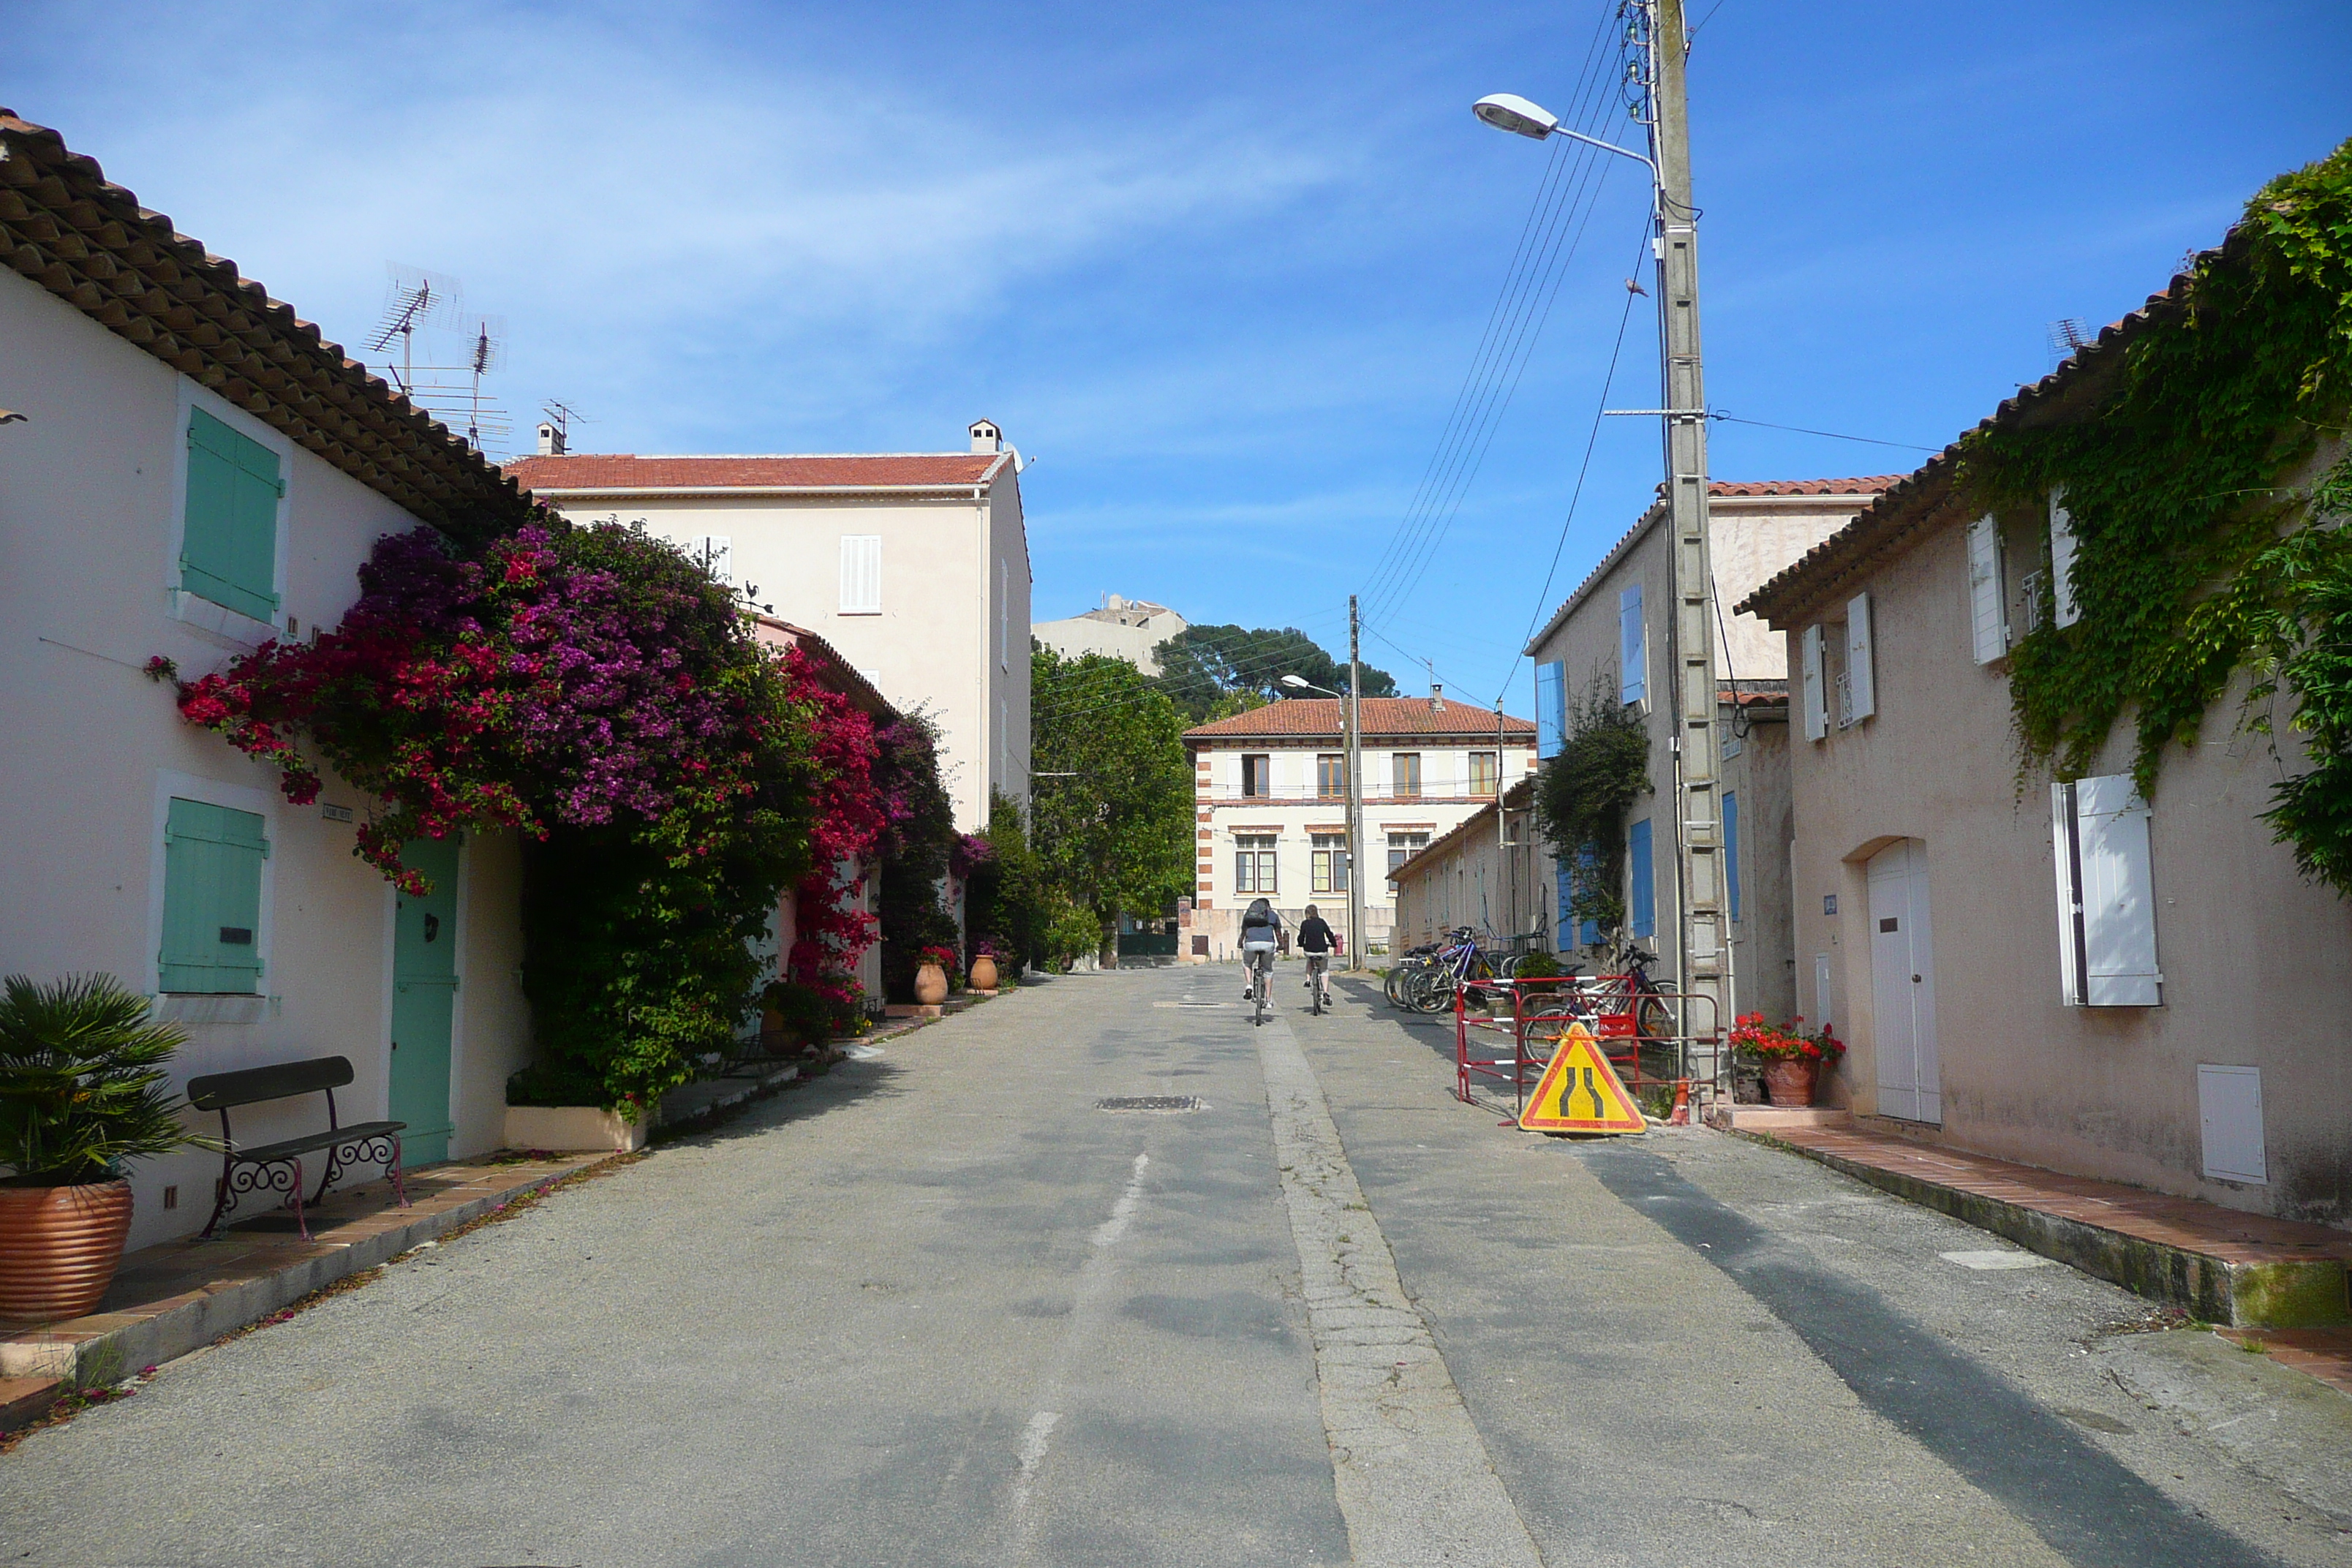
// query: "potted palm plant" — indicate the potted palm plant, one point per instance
point(82, 1070)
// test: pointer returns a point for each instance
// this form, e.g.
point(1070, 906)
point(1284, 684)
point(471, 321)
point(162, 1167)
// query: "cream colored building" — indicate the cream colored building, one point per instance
point(1610, 634)
point(914, 565)
point(1482, 864)
point(197, 473)
point(1270, 802)
point(2065, 975)
point(1131, 629)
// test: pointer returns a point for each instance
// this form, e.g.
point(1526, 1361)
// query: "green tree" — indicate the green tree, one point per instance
point(1582, 795)
point(1211, 671)
point(1113, 805)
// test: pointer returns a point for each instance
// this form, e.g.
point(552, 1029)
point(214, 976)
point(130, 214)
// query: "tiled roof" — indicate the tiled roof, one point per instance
point(832, 668)
point(64, 226)
point(907, 470)
point(1915, 500)
point(1305, 716)
point(1725, 489)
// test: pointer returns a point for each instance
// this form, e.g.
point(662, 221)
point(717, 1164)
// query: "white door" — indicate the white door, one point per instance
point(1903, 984)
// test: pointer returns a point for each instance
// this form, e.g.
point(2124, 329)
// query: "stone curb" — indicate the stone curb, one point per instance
point(2279, 1295)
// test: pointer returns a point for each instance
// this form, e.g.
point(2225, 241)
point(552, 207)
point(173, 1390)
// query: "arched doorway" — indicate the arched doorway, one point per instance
point(1903, 984)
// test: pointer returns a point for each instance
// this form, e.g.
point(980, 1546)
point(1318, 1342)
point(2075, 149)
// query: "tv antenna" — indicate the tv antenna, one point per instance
point(2067, 338)
point(415, 299)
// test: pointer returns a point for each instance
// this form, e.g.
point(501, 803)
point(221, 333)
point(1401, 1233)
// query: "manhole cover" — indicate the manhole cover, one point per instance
point(1149, 1102)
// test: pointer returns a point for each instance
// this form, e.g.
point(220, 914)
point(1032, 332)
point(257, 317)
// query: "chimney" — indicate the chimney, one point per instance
point(551, 441)
point(1436, 698)
point(986, 437)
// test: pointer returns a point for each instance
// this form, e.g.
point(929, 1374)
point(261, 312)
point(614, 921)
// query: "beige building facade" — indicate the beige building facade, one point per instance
point(2060, 973)
point(1120, 628)
point(1494, 858)
point(190, 494)
point(915, 567)
point(1610, 638)
point(1271, 806)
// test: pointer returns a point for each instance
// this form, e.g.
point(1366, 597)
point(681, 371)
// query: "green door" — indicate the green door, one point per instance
point(424, 996)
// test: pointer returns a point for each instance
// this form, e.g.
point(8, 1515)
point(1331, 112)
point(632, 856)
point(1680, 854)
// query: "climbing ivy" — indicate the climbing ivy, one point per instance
point(2193, 563)
point(1582, 795)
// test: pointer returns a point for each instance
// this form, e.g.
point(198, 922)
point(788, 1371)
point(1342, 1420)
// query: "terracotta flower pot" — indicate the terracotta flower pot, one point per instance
point(984, 973)
point(1789, 1080)
point(930, 985)
point(59, 1247)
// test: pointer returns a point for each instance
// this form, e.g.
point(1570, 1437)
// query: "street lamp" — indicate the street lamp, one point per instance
point(1509, 111)
point(1352, 727)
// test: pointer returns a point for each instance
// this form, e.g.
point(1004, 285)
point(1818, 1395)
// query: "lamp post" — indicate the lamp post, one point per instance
point(1351, 740)
point(1704, 963)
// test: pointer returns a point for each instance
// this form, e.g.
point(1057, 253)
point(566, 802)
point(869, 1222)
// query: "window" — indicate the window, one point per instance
point(228, 539)
point(1551, 709)
point(1987, 614)
point(2062, 560)
point(1731, 849)
point(1404, 775)
point(1331, 775)
point(1485, 769)
point(1817, 706)
point(1258, 776)
point(1330, 862)
point(1642, 897)
point(1588, 869)
point(1403, 847)
point(1254, 863)
point(1632, 656)
point(212, 899)
point(715, 554)
point(2107, 900)
point(861, 573)
point(1861, 684)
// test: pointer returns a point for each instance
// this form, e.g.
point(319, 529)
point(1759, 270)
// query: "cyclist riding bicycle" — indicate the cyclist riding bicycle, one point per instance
point(1261, 929)
point(1315, 940)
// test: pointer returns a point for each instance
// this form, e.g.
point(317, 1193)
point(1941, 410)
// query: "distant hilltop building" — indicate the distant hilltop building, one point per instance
point(1122, 628)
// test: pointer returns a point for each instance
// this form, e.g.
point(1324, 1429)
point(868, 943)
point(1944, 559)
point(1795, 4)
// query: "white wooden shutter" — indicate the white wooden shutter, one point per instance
point(2062, 559)
point(2117, 945)
point(2065, 856)
point(1632, 667)
point(1817, 711)
point(716, 551)
point(1987, 611)
point(1861, 686)
point(861, 573)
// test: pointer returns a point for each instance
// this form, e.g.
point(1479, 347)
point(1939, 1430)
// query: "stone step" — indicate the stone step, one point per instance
point(25, 1400)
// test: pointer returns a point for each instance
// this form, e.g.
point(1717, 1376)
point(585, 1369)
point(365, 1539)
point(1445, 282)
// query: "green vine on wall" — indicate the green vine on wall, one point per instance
point(2192, 564)
point(1583, 794)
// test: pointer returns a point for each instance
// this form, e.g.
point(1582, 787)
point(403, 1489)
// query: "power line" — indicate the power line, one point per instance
point(1801, 430)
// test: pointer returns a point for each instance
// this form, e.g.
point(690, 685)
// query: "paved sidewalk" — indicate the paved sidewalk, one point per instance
point(2227, 1266)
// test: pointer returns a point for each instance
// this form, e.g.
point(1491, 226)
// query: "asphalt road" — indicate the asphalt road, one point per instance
point(936, 1309)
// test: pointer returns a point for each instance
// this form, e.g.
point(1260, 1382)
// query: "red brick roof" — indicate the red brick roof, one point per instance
point(1303, 717)
point(1869, 484)
point(908, 470)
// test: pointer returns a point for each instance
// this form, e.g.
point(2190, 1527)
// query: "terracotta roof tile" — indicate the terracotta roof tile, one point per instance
point(908, 470)
point(1303, 717)
point(1868, 484)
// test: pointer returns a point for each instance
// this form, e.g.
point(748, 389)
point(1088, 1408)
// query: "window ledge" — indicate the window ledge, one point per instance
point(195, 610)
point(207, 1008)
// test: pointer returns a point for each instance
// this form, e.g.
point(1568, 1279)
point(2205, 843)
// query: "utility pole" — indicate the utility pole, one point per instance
point(1704, 961)
point(1353, 713)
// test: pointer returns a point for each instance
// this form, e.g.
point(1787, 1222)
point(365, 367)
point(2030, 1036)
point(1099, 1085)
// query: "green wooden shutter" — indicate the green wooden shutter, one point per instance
point(228, 549)
point(212, 899)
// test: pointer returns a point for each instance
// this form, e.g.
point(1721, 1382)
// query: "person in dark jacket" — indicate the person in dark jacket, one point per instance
point(1261, 930)
point(1316, 940)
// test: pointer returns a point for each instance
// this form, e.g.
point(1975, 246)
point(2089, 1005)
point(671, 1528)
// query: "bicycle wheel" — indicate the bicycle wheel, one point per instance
point(1433, 991)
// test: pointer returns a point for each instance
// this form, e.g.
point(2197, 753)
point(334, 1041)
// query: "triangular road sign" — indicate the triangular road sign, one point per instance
point(1581, 1092)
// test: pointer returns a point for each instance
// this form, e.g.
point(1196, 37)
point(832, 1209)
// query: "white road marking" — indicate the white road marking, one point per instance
point(1089, 1302)
point(1414, 1481)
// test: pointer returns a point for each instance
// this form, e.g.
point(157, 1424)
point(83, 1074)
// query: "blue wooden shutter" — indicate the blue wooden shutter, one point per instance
point(1731, 849)
point(212, 899)
point(1551, 709)
point(1643, 898)
point(228, 542)
point(1633, 666)
point(1587, 865)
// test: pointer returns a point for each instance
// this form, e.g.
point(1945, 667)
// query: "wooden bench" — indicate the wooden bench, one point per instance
point(277, 1167)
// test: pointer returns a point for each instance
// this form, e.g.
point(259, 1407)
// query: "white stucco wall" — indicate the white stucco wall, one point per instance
point(91, 493)
point(951, 638)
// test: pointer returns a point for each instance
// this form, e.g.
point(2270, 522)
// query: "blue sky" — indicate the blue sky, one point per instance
point(1221, 270)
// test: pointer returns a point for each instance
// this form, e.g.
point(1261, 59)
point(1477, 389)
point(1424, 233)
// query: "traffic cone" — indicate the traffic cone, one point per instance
point(1681, 1116)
